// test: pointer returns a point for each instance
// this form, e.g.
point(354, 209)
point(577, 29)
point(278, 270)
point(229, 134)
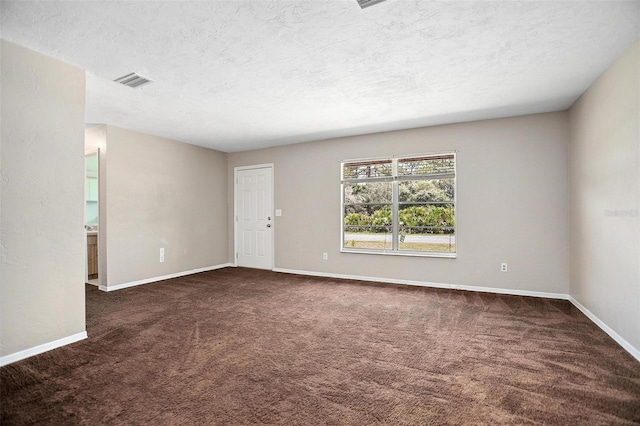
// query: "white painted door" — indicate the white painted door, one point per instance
point(254, 224)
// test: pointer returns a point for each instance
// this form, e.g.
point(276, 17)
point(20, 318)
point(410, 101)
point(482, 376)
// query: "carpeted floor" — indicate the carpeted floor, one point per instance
point(240, 346)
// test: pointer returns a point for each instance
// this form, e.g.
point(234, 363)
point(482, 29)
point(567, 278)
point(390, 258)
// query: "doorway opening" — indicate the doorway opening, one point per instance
point(92, 215)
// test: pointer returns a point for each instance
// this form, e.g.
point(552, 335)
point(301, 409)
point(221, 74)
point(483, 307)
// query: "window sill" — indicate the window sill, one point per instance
point(401, 253)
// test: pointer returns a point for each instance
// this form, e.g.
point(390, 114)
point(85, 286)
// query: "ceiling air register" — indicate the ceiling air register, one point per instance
point(133, 80)
point(367, 3)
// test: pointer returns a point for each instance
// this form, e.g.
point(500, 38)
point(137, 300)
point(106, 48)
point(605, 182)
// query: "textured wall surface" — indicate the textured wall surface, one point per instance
point(604, 170)
point(512, 203)
point(163, 193)
point(241, 75)
point(42, 200)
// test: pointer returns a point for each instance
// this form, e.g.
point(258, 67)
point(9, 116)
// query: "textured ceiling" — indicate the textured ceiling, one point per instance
point(237, 75)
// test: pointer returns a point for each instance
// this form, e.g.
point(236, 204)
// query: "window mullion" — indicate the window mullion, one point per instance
point(394, 193)
point(394, 208)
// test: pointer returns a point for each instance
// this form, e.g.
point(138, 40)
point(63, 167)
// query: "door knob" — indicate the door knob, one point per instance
point(268, 225)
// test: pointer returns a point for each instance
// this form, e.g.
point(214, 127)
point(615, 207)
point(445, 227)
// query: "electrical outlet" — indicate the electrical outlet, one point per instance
point(325, 256)
point(162, 255)
point(503, 267)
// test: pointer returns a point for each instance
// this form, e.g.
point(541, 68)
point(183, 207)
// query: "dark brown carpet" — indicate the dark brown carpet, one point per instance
point(240, 346)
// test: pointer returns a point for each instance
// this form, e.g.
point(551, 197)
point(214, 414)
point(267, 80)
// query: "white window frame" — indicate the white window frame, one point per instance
point(394, 251)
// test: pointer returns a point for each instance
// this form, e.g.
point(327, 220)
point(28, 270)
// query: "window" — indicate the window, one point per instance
point(400, 205)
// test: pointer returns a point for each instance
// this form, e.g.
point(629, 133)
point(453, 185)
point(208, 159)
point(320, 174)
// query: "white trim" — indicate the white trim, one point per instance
point(428, 284)
point(164, 277)
point(26, 353)
point(615, 336)
point(395, 206)
point(403, 156)
point(441, 255)
point(235, 209)
point(256, 166)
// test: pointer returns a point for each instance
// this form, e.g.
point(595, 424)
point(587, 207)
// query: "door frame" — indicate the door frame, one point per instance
point(235, 209)
point(95, 152)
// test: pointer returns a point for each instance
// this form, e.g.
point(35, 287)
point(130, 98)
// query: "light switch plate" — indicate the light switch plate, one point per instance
point(278, 212)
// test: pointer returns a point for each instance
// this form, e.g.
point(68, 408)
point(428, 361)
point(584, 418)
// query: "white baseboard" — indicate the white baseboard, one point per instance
point(615, 336)
point(428, 284)
point(164, 277)
point(17, 356)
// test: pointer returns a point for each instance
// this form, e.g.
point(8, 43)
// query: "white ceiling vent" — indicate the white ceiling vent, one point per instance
point(133, 80)
point(367, 3)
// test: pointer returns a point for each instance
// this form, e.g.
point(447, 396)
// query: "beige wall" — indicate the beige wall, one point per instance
point(163, 193)
point(512, 203)
point(42, 200)
point(604, 173)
